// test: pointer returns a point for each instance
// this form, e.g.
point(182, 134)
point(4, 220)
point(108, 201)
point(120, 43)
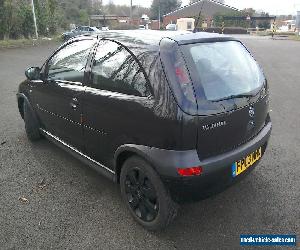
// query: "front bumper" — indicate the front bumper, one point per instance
point(217, 172)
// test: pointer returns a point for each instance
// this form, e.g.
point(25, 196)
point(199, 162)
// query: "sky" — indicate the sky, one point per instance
point(275, 7)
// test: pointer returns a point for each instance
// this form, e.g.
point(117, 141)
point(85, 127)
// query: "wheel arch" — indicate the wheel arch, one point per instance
point(22, 98)
point(126, 151)
point(164, 162)
point(21, 106)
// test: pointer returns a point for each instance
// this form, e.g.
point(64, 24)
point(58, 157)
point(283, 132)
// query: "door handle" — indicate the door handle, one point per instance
point(74, 103)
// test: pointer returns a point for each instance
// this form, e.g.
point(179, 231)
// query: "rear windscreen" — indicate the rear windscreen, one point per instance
point(222, 69)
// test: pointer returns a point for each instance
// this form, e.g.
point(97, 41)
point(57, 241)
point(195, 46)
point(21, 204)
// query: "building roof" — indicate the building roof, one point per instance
point(209, 8)
point(289, 21)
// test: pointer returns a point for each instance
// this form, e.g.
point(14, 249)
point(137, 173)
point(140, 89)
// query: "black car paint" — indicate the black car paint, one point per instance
point(217, 171)
point(106, 127)
point(232, 113)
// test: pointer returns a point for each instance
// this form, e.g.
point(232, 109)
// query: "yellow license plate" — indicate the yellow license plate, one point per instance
point(240, 166)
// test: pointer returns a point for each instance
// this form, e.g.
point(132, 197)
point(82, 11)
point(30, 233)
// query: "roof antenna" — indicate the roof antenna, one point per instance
point(199, 15)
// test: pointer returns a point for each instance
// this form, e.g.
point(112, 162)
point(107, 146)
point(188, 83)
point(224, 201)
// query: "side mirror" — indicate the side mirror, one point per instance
point(33, 73)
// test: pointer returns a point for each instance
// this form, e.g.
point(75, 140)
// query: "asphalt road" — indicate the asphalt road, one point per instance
point(71, 206)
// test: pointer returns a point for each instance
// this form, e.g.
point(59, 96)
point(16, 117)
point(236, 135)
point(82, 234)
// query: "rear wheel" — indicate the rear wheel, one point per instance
point(31, 124)
point(145, 195)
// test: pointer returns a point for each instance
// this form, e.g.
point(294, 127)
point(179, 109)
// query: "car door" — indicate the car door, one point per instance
point(117, 107)
point(58, 96)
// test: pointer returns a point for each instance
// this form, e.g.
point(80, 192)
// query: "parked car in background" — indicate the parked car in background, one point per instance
point(104, 28)
point(171, 26)
point(142, 27)
point(169, 116)
point(80, 30)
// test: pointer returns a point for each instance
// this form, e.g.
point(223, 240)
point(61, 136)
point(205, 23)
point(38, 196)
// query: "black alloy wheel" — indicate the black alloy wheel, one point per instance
point(141, 195)
point(145, 195)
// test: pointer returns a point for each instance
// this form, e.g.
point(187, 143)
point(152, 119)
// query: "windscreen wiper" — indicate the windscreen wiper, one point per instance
point(233, 96)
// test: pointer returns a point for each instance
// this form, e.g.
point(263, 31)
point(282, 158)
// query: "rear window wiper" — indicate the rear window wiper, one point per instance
point(233, 96)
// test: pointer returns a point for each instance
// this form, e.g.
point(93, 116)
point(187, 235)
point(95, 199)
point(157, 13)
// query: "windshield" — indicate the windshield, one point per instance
point(223, 69)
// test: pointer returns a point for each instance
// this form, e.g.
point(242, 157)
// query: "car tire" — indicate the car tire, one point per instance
point(31, 123)
point(146, 197)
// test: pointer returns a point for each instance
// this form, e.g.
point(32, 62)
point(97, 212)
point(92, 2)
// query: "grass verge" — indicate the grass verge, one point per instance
point(295, 38)
point(19, 43)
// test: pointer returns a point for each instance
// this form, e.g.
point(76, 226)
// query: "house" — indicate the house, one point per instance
point(208, 9)
point(288, 25)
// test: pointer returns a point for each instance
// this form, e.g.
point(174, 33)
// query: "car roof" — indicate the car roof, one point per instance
point(153, 37)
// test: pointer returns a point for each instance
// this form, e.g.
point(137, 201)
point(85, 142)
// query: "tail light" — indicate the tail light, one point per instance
point(193, 171)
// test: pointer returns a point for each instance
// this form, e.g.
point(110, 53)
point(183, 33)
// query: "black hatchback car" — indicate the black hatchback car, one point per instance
point(170, 116)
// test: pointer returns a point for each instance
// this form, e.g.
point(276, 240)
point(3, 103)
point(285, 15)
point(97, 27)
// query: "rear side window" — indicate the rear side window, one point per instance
point(69, 63)
point(115, 69)
point(178, 75)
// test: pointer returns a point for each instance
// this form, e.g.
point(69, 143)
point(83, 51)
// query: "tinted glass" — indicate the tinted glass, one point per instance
point(115, 69)
point(224, 69)
point(69, 63)
point(178, 74)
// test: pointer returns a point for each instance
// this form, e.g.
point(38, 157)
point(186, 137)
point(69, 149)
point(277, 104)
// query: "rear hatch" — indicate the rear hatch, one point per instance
point(230, 92)
point(223, 132)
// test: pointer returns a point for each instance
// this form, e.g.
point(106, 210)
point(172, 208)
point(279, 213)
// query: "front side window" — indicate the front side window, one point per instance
point(115, 69)
point(69, 63)
point(223, 69)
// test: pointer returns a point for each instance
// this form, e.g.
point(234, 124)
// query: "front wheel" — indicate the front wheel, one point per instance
point(145, 195)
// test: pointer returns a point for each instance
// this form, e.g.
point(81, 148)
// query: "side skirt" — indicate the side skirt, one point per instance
point(100, 168)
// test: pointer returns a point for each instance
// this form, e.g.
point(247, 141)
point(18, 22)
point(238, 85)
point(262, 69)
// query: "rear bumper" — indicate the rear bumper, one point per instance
point(188, 189)
point(217, 171)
